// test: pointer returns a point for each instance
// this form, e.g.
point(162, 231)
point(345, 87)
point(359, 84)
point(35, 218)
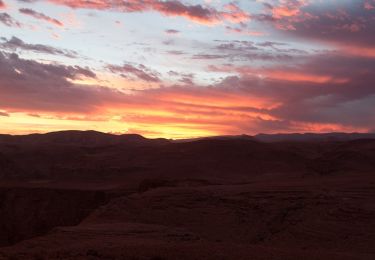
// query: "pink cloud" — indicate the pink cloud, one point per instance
point(369, 4)
point(288, 8)
point(197, 13)
point(350, 24)
point(2, 5)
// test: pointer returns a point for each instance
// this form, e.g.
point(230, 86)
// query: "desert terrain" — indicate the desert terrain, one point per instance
point(89, 195)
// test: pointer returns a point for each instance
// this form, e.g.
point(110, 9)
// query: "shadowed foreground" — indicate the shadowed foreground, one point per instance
point(87, 195)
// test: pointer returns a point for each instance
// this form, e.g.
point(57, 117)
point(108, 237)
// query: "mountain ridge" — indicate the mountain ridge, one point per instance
point(91, 137)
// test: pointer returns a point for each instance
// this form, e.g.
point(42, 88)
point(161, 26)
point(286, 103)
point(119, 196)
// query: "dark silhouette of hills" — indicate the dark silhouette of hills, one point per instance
point(90, 138)
point(295, 137)
point(94, 138)
point(95, 155)
point(90, 195)
point(311, 137)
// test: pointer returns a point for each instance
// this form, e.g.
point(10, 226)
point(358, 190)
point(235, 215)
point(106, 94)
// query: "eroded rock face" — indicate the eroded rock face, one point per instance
point(26, 212)
point(321, 218)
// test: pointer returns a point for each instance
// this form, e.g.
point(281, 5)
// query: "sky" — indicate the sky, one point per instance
point(187, 68)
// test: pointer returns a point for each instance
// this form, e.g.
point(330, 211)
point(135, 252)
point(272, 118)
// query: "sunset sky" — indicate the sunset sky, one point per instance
point(187, 68)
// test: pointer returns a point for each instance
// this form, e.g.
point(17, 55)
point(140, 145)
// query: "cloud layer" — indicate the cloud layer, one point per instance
point(197, 13)
point(244, 103)
point(288, 66)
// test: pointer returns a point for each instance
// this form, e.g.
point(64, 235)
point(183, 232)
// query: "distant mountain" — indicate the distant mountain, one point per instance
point(86, 138)
point(81, 155)
point(311, 137)
point(219, 137)
point(295, 137)
point(94, 138)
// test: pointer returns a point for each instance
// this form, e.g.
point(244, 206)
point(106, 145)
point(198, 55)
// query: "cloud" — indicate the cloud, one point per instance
point(320, 96)
point(21, 68)
point(348, 25)
point(369, 4)
point(244, 51)
point(9, 21)
point(15, 43)
point(288, 8)
point(172, 31)
point(308, 97)
point(282, 74)
point(2, 5)
point(33, 86)
point(176, 52)
point(208, 56)
point(140, 72)
point(4, 114)
point(284, 14)
point(197, 13)
point(40, 16)
point(243, 31)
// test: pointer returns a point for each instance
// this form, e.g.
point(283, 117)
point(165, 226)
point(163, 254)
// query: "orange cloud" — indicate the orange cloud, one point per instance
point(154, 114)
point(287, 8)
point(284, 12)
point(291, 75)
point(46, 97)
point(308, 127)
point(360, 51)
point(303, 77)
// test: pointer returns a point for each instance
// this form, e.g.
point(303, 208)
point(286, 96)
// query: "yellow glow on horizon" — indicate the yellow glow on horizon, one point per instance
point(20, 123)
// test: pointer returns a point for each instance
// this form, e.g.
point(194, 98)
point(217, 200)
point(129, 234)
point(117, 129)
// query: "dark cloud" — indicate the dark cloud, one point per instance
point(339, 22)
point(40, 16)
point(8, 20)
point(185, 78)
point(348, 23)
point(176, 52)
point(24, 68)
point(271, 44)
point(208, 56)
point(172, 31)
point(33, 86)
point(15, 43)
point(237, 46)
point(245, 51)
point(347, 102)
point(140, 72)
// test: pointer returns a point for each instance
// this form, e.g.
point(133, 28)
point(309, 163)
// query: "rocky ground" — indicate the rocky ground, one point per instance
point(204, 199)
